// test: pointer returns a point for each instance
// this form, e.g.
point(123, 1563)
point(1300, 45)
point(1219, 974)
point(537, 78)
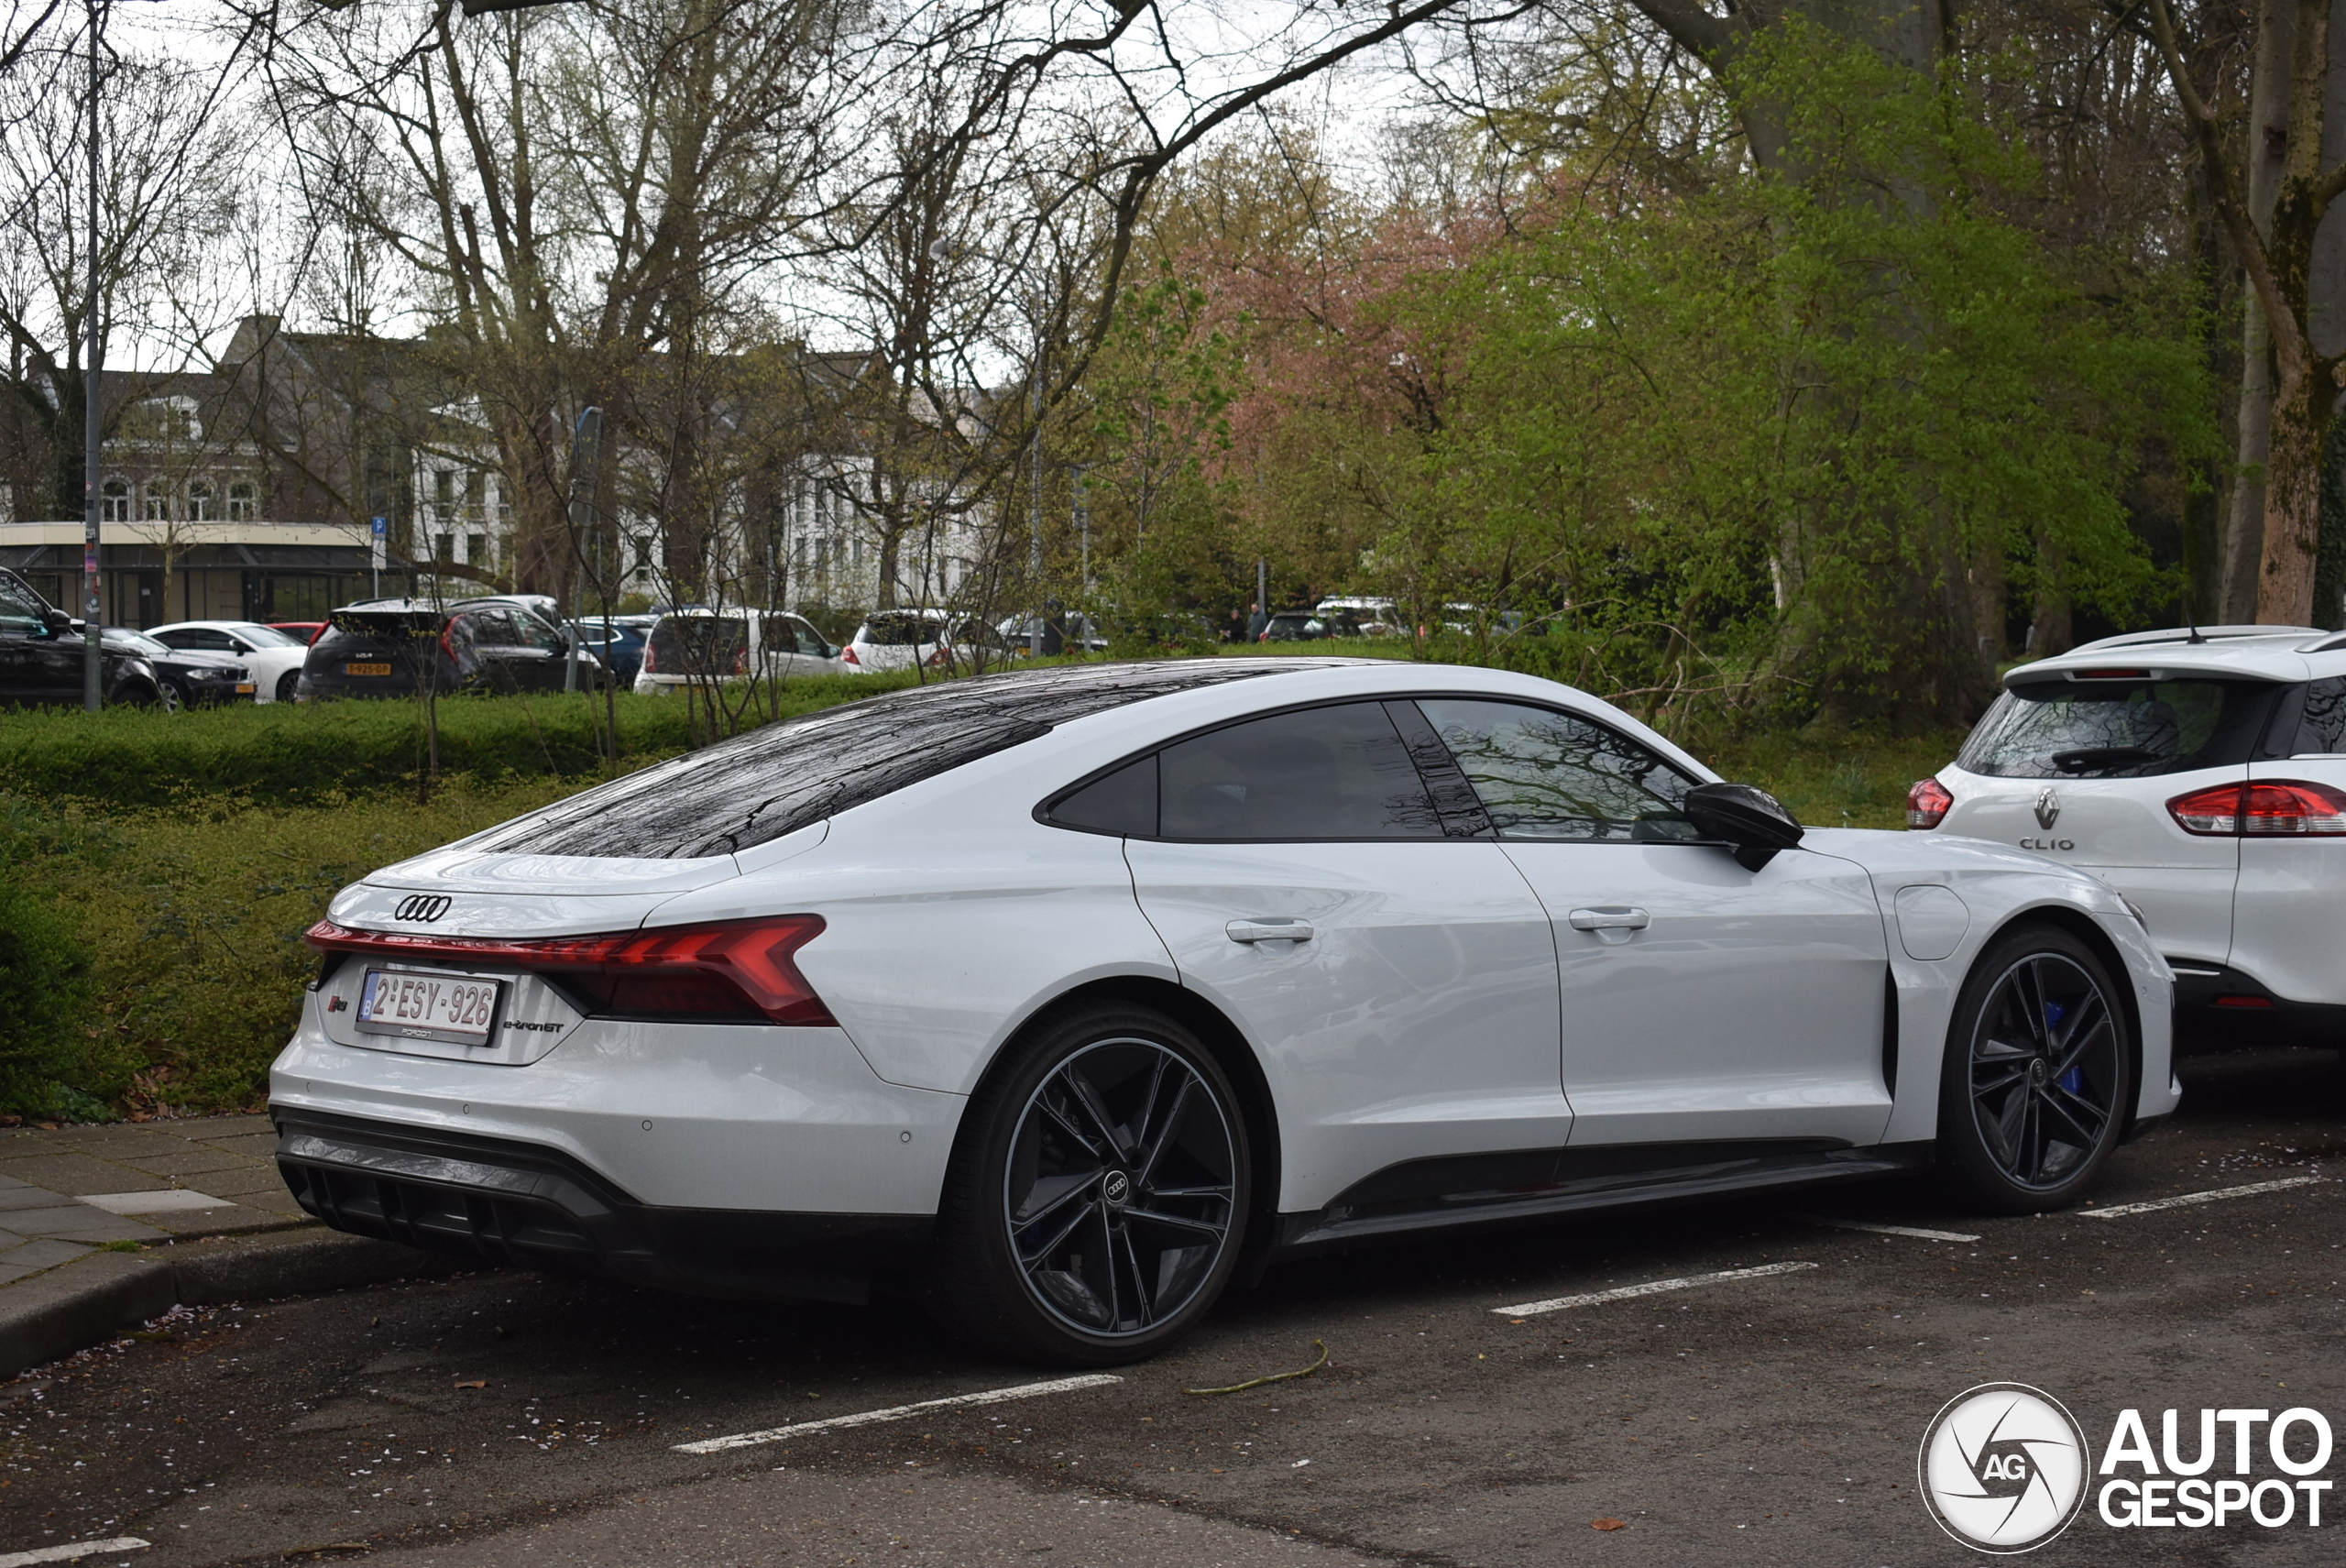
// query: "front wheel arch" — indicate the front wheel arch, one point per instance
point(2087, 929)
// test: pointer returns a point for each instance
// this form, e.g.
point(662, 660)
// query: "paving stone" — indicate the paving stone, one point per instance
point(15, 1197)
point(47, 1254)
point(10, 1272)
point(212, 1129)
point(58, 1221)
point(236, 1184)
point(76, 1173)
point(9, 1239)
point(251, 1145)
point(111, 1228)
point(184, 1159)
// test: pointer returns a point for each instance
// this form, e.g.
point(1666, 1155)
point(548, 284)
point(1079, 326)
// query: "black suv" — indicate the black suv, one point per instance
point(41, 650)
point(401, 647)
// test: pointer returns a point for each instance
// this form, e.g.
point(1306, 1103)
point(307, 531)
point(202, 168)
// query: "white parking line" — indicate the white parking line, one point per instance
point(1652, 1287)
point(68, 1552)
point(1919, 1235)
point(2251, 1190)
point(892, 1413)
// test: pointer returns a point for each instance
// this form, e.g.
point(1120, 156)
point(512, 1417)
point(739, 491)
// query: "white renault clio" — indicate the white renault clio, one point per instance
point(2202, 773)
point(1064, 996)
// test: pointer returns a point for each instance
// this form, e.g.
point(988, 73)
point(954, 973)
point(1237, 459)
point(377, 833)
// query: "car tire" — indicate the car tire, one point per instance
point(2039, 1078)
point(1097, 1200)
point(289, 686)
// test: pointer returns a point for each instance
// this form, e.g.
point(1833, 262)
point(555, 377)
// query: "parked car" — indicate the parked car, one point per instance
point(273, 657)
point(398, 647)
point(43, 651)
point(1063, 996)
point(896, 640)
point(1308, 626)
point(688, 646)
point(617, 642)
point(196, 678)
point(1061, 633)
point(2202, 774)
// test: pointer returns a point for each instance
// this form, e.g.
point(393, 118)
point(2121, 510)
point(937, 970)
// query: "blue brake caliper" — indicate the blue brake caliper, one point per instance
point(2075, 1078)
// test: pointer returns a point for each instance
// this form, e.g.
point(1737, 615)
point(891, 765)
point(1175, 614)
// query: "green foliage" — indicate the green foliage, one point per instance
point(1796, 439)
point(314, 753)
point(44, 995)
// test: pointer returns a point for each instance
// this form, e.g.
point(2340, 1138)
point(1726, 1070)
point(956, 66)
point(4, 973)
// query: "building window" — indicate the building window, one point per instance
point(156, 502)
point(114, 501)
point(202, 507)
point(244, 502)
point(476, 551)
point(444, 548)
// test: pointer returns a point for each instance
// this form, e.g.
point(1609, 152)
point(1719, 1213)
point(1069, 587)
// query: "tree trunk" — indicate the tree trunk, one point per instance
point(2269, 103)
point(2301, 416)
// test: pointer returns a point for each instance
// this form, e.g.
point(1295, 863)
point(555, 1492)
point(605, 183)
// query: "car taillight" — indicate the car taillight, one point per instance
point(1928, 804)
point(937, 660)
point(650, 665)
point(740, 969)
point(447, 640)
point(741, 659)
point(2266, 808)
point(847, 655)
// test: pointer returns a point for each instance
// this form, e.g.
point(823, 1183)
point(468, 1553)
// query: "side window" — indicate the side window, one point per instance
point(492, 629)
point(201, 637)
point(779, 636)
point(2322, 726)
point(21, 611)
point(1324, 773)
point(1123, 802)
point(1547, 775)
point(536, 633)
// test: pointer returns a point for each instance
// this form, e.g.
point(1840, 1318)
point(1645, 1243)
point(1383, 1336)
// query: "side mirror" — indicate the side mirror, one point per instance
point(1752, 822)
point(59, 623)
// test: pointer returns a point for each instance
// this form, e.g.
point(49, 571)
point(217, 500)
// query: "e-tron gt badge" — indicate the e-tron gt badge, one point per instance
point(422, 908)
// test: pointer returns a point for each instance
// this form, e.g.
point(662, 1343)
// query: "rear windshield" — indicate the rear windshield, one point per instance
point(2117, 729)
point(776, 780)
point(699, 642)
point(382, 625)
point(898, 631)
point(266, 637)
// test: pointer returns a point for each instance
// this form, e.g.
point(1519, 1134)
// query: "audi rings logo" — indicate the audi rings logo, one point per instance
point(2003, 1467)
point(422, 908)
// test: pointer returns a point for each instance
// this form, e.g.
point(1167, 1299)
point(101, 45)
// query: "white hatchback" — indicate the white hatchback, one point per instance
point(2203, 775)
point(691, 647)
point(274, 658)
point(1065, 996)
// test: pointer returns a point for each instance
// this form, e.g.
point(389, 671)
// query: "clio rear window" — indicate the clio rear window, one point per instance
point(758, 786)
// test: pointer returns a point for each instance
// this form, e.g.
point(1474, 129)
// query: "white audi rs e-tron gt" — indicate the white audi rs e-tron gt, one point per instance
point(1063, 997)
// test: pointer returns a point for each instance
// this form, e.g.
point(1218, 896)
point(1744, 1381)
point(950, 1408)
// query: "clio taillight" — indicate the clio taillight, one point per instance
point(2266, 808)
point(1928, 804)
point(740, 969)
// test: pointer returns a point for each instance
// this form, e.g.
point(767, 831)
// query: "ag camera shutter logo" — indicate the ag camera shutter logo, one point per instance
point(2003, 1468)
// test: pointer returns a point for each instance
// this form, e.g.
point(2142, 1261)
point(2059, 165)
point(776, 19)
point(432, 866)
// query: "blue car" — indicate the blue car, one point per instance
point(619, 642)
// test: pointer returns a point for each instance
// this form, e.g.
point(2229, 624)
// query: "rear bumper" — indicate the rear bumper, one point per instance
point(504, 1202)
point(2218, 1005)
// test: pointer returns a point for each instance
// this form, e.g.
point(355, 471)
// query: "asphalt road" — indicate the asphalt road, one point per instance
point(504, 1419)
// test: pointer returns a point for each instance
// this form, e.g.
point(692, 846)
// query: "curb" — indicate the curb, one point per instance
point(83, 1302)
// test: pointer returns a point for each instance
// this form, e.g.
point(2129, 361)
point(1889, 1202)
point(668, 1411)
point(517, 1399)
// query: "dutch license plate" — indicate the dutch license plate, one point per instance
point(365, 669)
point(427, 1006)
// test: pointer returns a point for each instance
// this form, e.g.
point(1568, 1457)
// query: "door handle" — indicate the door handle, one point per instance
point(1612, 922)
point(1268, 930)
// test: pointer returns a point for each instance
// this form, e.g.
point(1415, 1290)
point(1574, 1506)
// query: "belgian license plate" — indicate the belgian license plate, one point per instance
point(365, 669)
point(422, 1005)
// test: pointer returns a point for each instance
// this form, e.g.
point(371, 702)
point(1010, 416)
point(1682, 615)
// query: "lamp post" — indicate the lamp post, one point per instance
point(92, 659)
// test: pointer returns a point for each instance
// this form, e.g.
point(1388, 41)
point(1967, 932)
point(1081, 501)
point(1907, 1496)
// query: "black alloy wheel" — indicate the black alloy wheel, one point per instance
point(289, 685)
point(2040, 1071)
point(1098, 1195)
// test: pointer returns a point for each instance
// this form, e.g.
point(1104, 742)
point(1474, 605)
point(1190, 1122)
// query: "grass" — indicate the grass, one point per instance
point(189, 891)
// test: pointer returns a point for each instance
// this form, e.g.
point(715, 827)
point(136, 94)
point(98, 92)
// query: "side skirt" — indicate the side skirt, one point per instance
point(1576, 1181)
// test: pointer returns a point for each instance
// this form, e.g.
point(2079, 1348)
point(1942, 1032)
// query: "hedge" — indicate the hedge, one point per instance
point(315, 754)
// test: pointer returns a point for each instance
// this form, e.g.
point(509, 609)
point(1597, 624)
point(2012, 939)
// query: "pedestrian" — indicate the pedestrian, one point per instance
point(1255, 621)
